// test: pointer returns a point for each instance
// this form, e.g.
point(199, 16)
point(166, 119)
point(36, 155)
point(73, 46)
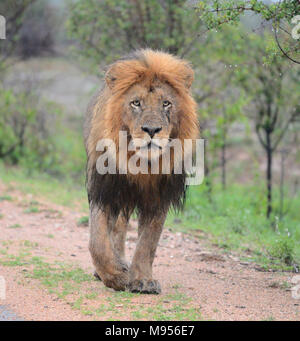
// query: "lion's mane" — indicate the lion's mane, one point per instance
point(149, 193)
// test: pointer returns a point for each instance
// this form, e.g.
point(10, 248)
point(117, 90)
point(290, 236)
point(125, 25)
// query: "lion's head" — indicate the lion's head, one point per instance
point(146, 94)
point(150, 114)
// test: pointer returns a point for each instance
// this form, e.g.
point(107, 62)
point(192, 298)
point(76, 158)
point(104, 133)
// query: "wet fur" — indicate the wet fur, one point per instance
point(113, 198)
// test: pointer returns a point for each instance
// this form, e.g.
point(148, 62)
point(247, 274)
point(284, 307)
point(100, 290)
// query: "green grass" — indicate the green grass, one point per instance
point(15, 226)
point(60, 278)
point(34, 203)
point(5, 198)
point(50, 236)
point(269, 318)
point(32, 209)
point(29, 244)
point(91, 296)
point(62, 192)
point(235, 220)
point(176, 306)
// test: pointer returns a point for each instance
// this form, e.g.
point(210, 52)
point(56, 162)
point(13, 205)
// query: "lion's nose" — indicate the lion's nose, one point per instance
point(151, 130)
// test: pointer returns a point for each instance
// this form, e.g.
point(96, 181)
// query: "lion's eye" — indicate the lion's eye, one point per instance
point(166, 104)
point(135, 103)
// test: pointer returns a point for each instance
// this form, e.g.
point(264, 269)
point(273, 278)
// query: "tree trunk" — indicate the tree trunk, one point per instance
point(269, 174)
point(207, 173)
point(281, 186)
point(223, 165)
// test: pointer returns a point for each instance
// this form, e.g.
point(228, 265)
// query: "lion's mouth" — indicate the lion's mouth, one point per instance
point(152, 145)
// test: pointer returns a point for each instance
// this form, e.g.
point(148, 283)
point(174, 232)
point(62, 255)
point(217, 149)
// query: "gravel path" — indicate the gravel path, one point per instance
point(220, 285)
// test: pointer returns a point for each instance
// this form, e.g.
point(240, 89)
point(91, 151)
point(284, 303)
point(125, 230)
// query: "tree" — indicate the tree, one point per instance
point(113, 27)
point(38, 31)
point(271, 86)
point(13, 11)
point(221, 101)
point(216, 13)
point(231, 111)
point(217, 116)
point(274, 90)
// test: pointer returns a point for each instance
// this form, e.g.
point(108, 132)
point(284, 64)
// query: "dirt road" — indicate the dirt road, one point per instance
point(47, 269)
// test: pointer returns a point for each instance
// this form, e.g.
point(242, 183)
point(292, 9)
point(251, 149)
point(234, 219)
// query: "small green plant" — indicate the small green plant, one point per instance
point(32, 209)
point(269, 318)
point(5, 198)
point(28, 243)
point(91, 296)
point(34, 203)
point(283, 249)
point(3, 251)
point(77, 304)
point(280, 285)
point(176, 286)
point(15, 226)
point(137, 315)
point(83, 221)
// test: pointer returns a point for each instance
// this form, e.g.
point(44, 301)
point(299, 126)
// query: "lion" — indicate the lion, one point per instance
point(147, 95)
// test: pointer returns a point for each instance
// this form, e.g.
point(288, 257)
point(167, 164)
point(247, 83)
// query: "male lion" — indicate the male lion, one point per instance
point(147, 95)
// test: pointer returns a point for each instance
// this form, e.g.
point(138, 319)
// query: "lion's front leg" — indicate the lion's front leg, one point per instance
point(110, 267)
point(140, 273)
point(118, 234)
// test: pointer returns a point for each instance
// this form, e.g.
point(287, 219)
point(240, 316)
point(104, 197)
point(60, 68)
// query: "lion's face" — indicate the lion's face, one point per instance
point(151, 117)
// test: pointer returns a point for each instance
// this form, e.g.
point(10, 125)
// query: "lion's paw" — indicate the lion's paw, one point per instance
point(117, 282)
point(145, 286)
point(115, 278)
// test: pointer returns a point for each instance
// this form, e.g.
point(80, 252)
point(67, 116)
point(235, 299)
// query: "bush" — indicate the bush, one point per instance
point(26, 130)
point(34, 135)
point(283, 249)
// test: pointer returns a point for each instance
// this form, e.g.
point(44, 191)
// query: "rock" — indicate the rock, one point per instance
point(236, 259)
point(210, 257)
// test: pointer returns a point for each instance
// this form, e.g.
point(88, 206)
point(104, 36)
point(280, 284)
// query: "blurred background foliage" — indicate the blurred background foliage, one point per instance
point(246, 87)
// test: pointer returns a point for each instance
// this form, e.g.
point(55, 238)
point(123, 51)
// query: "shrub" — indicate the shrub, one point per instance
point(283, 249)
point(35, 135)
point(26, 130)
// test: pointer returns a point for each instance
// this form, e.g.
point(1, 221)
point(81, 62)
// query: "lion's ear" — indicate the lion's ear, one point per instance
point(110, 77)
point(188, 76)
